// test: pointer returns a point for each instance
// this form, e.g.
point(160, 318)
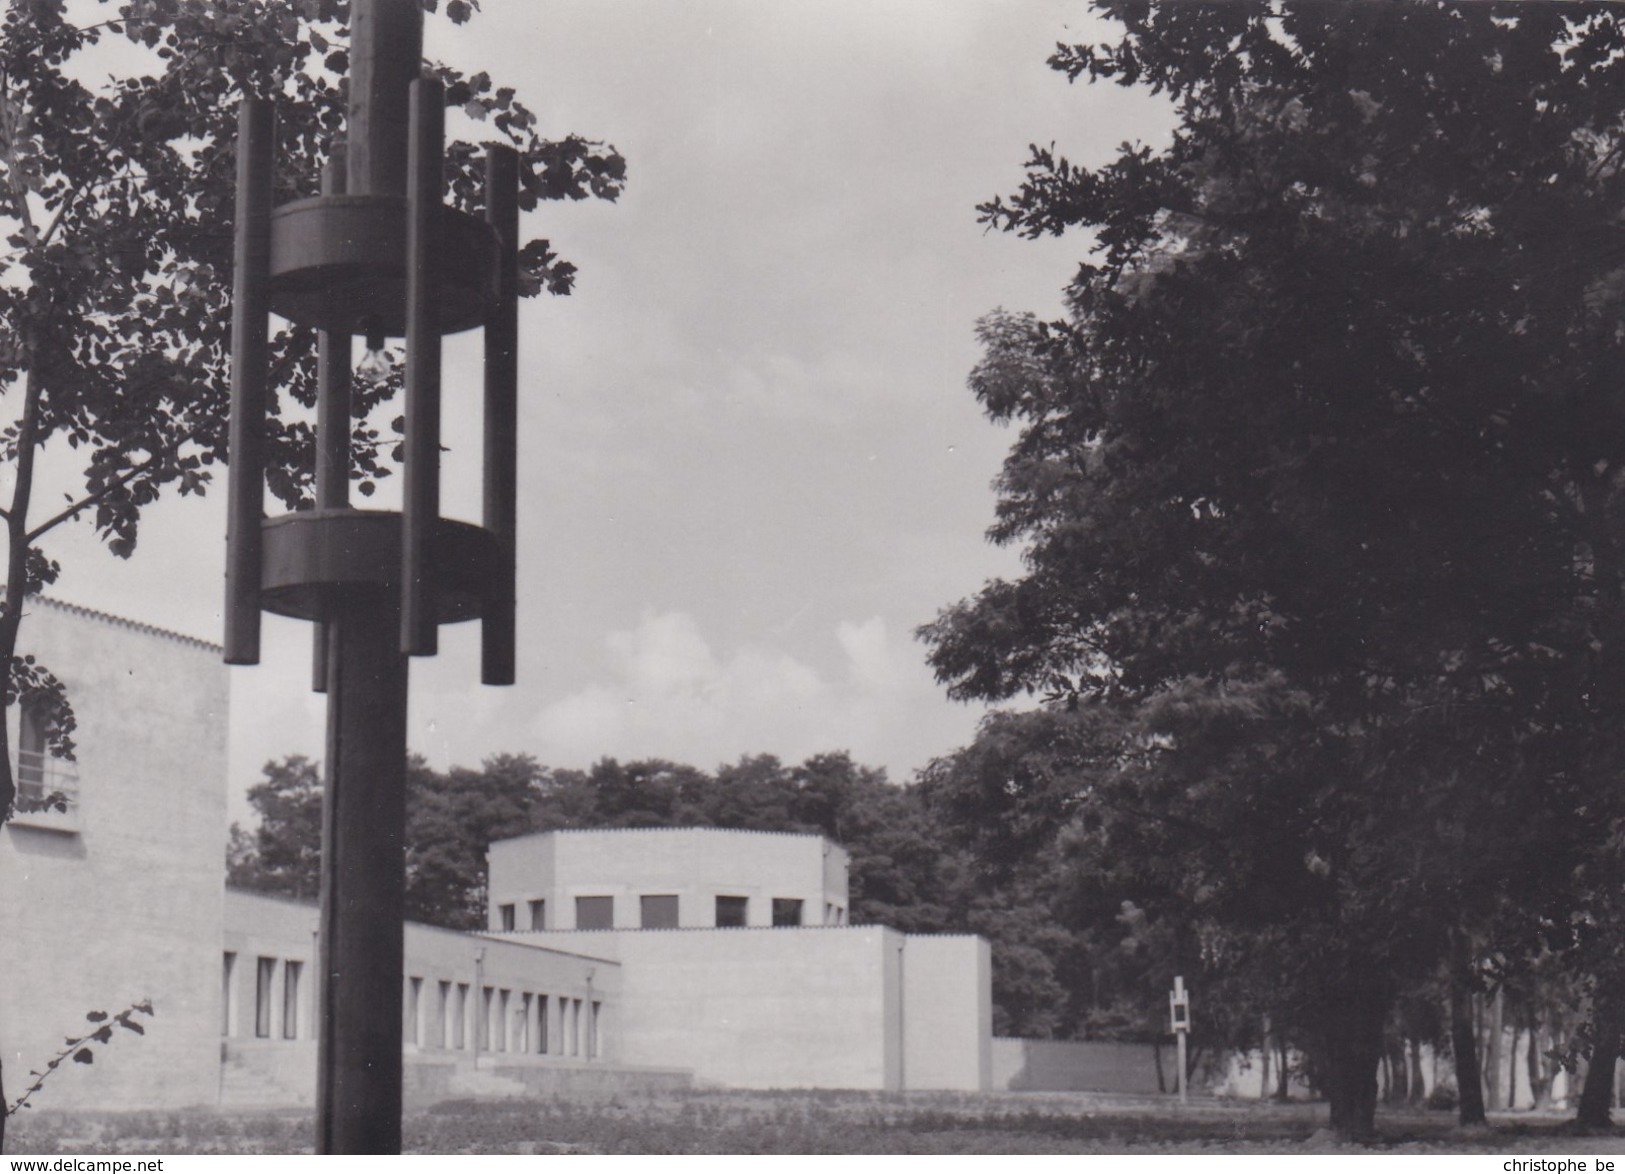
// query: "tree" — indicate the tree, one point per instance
point(283, 854)
point(114, 311)
point(1319, 484)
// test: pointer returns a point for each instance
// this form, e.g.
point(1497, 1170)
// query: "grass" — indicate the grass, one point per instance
point(702, 1122)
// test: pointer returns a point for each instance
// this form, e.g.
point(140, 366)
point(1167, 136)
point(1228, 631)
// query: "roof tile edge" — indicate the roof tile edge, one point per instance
point(124, 622)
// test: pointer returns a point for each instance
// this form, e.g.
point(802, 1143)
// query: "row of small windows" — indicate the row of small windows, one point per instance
point(269, 995)
point(508, 1021)
point(655, 911)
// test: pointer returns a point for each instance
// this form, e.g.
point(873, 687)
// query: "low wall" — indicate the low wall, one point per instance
point(1041, 1065)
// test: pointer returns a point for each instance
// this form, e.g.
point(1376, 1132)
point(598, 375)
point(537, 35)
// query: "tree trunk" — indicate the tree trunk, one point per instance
point(1598, 1097)
point(1491, 1026)
point(1156, 1058)
point(1399, 1086)
point(1264, 1054)
point(1353, 1052)
point(1512, 1070)
point(1418, 1086)
point(1283, 1074)
point(1540, 1088)
point(1464, 1040)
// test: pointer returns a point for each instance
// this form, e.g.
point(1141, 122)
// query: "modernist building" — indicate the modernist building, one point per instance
point(670, 955)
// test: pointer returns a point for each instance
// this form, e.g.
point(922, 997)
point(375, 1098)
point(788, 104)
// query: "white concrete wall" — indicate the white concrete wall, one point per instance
point(1042, 1065)
point(694, 864)
point(947, 1012)
point(860, 1007)
point(121, 902)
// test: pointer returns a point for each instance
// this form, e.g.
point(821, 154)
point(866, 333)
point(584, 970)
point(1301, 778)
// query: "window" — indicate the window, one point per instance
point(409, 1010)
point(786, 911)
point(40, 776)
point(594, 1045)
point(731, 911)
point(503, 1026)
point(595, 912)
point(659, 912)
point(484, 1037)
point(521, 1023)
point(541, 1025)
point(227, 1004)
point(505, 913)
point(443, 1036)
point(264, 980)
point(459, 1018)
point(291, 971)
point(30, 751)
point(538, 915)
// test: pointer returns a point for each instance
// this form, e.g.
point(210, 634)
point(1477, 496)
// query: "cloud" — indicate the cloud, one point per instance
point(670, 694)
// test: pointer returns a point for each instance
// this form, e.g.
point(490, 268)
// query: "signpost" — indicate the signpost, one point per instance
point(1179, 1012)
point(379, 254)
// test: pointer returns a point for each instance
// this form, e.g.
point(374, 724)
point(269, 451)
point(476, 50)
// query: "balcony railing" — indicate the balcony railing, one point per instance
point(47, 792)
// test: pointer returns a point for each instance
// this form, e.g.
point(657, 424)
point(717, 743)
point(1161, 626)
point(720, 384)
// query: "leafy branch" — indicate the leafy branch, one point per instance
point(78, 1048)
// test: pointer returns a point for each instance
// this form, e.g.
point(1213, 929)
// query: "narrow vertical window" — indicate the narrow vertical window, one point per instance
point(504, 1028)
point(30, 751)
point(595, 1046)
point(487, 997)
point(227, 1003)
point(443, 1016)
point(291, 972)
point(409, 1010)
point(264, 980)
point(459, 1020)
point(542, 1011)
point(505, 914)
point(538, 915)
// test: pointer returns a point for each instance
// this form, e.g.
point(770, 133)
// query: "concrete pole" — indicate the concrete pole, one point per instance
point(363, 899)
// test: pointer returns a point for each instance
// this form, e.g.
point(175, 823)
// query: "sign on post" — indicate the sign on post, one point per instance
point(1179, 1014)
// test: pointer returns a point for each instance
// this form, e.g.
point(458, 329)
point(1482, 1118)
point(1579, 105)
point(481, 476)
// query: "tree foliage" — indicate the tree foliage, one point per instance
point(1318, 486)
point(116, 205)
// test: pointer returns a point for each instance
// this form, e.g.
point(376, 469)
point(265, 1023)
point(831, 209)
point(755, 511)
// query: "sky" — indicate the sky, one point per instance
point(750, 467)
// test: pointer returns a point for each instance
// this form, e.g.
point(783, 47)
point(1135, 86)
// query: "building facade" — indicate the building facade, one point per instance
point(651, 956)
point(120, 899)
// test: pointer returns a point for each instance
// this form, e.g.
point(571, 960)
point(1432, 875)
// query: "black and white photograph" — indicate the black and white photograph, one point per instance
point(643, 578)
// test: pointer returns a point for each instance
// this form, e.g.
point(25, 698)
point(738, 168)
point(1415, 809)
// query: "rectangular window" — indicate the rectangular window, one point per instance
point(487, 998)
point(409, 1010)
point(504, 1028)
point(542, 1011)
point(659, 912)
point(459, 1018)
point(505, 912)
point(786, 911)
point(575, 1027)
point(731, 911)
point(594, 1044)
point(521, 1023)
point(442, 1016)
point(227, 1004)
point(263, 981)
point(291, 971)
point(538, 915)
point(595, 912)
point(31, 751)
